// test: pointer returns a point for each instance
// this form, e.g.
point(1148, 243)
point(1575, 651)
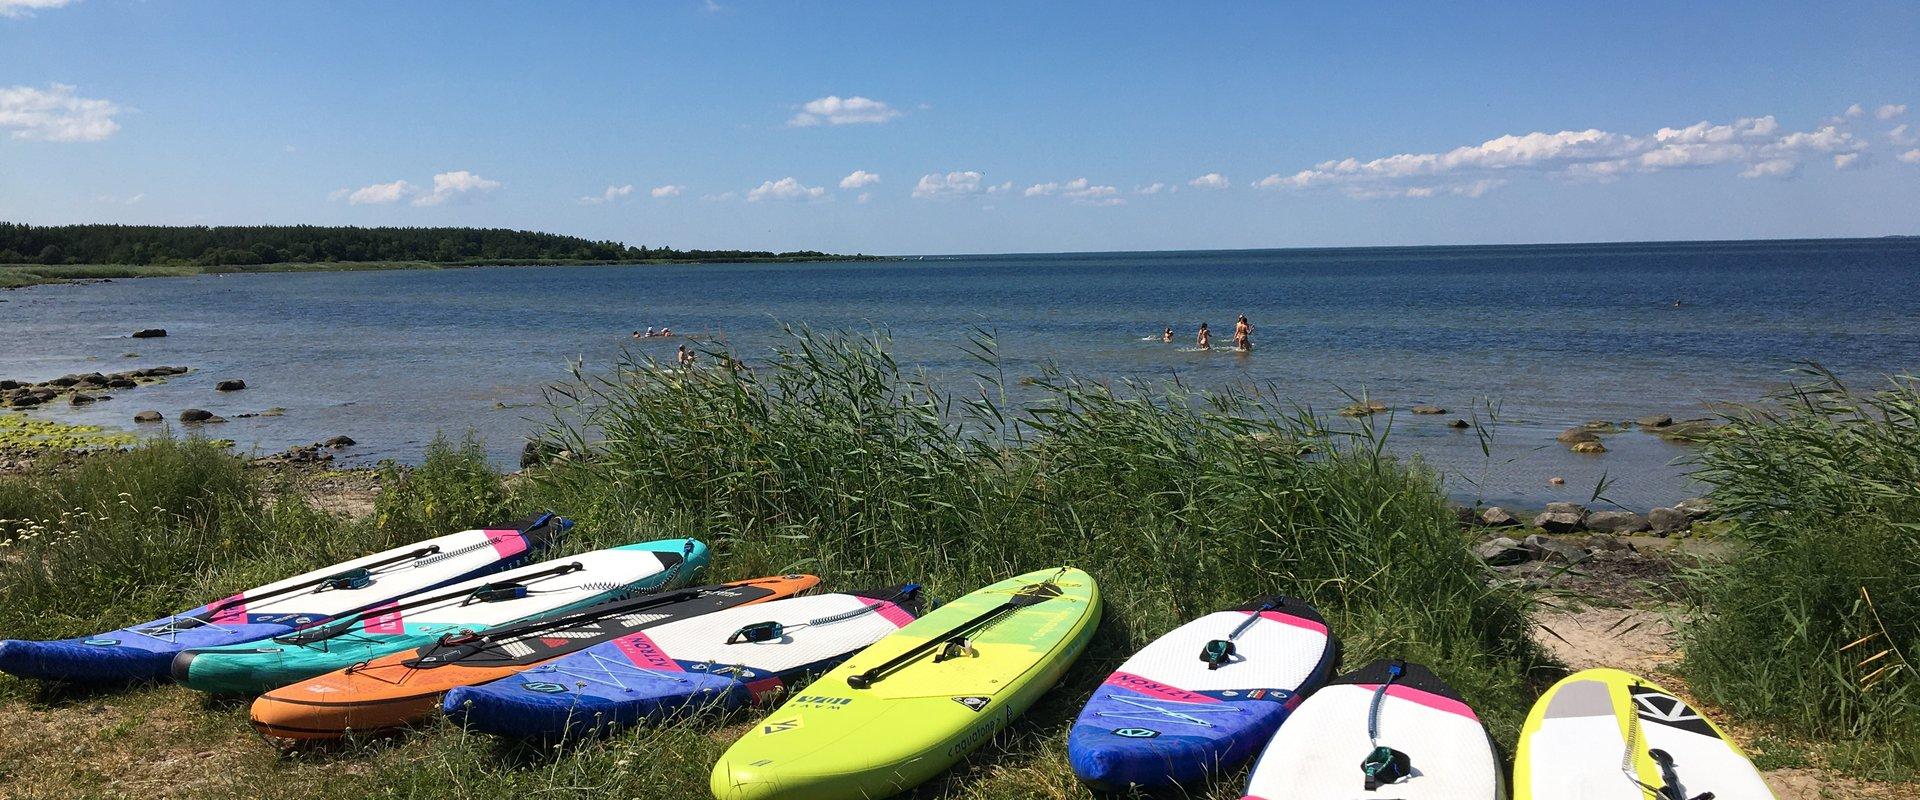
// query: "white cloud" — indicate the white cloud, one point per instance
point(1901, 135)
point(1211, 180)
point(866, 197)
point(666, 191)
point(54, 114)
point(785, 189)
point(1079, 190)
point(1849, 160)
point(859, 178)
point(25, 8)
point(379, 194)
point(454, 186)
point(837, 110)
point(1153, 188)
point(1910, 157)
point(611, 194)
point(1757, 143)
point(952, 184)
point(1889, 111)
point(1855, 111)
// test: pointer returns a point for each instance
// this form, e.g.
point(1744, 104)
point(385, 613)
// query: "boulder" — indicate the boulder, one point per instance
point(25, 401)
point(121, 383)
point(1561, 518)
point(1502, 552)
point(1616, 522)
point(230, 385)
point(9, 385)
point(147, 416)
point(1654, 421)
point(1460, 423)
point(93, 379)
point(1362, 409)
point(1600, 426)
point(1598, 543)
point(63, 381)
point(1556, 481)
point(1589, 447)
point(79, 399)
point(1694, 507)
point(150, 333)
point(338, 442)
point(196, 415)
point(1546, 549)
point(1664, 521)
point(1498, 517)
point(1428, 410)
point(1573, 436)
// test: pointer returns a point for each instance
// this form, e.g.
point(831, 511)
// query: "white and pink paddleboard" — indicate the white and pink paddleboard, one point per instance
point(1439, 749)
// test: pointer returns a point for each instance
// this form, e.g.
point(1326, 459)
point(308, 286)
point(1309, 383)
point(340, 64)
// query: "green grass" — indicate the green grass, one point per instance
point(1815, 622)
point(828, 458)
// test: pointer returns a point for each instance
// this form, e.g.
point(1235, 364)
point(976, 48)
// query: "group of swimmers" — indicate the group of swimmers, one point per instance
point(1242, 335)
point(652, 334)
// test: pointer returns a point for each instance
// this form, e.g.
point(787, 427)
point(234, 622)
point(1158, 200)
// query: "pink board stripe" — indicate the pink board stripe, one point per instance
point(644, 653)
point(507, 544)
point(765, 689)
point(237, 612)
point(1153, 688)
point(894, 614)
point(384, 618)
point(1289, 619)
point(1427, 699)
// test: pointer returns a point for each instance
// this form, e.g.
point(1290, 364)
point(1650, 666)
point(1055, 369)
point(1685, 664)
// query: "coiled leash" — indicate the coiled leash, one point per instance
point(1384, 765)
point(1220, 652)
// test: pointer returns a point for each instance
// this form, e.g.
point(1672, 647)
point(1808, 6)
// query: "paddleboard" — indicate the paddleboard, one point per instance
point(1203, 698)
point(416, 620)
point(919, 699)
point(711, 663)
point(402, 688)
point(1603, 734)
point(1426, 744)
point(146, 650)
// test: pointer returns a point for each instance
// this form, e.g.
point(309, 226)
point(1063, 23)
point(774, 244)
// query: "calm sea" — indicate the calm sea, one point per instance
point(1554, 335)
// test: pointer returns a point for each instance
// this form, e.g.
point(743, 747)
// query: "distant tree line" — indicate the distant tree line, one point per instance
point(275, 244)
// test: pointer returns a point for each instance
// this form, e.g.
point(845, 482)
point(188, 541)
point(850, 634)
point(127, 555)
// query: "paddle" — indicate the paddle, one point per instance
point(499, 590)
point(1029, 595)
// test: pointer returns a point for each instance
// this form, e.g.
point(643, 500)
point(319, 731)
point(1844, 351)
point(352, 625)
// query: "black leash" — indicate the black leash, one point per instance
point(491, 592)
point(955, 638)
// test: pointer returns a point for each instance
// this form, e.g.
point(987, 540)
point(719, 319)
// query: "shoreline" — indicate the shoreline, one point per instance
point(20, 276)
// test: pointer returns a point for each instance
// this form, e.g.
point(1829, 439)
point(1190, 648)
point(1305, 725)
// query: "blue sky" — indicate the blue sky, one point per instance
point(895, 127)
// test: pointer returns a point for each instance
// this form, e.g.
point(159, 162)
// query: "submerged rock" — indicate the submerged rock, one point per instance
point(1589, 447)
point(338, 442)
point(1428, 410)
point(1363, 409)
point(230, 385)
point(195, 415)
point(1460, 423)
point(1573, 436)
point(1654, 421)
point(150, 333)
point(148, 416)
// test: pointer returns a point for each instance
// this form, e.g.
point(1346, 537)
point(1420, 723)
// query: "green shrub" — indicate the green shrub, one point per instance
point(1814, 620)
point(454, 488)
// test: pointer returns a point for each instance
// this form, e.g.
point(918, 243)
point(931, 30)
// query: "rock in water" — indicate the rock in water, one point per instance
point(338, 442)
point(1667, 520)
point(79, 399)
point(1616, 522)
point(1573, 436)
point(1498, 517)
point(1589, 447)
point(195, 415)
point(1654, 421)
point(150, 333)
point(1501, 552)
point(1556, 481)
point(147, 416)
point(1459, 423)
point(1429, 410)
point(231, 385)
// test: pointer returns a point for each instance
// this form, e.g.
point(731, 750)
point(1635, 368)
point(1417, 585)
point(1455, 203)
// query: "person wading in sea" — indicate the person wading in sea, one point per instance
point(1206, 337)
point(1242, 334)
point(1168, 335)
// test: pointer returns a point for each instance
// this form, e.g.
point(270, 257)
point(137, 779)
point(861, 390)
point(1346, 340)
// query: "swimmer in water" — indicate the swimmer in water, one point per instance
point(1167, 336)
point(1206, 337)
point(1242, 334)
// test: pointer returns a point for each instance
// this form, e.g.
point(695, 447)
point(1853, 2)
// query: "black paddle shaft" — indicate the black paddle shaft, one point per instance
point(1029, 595)
point(321, 633)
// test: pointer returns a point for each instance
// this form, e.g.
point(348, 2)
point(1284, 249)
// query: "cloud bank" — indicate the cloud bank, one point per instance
point(447, 187)
point(56, 114)
point(612, 194)
point(937, 186)
point(25, 8)
point(785, 189)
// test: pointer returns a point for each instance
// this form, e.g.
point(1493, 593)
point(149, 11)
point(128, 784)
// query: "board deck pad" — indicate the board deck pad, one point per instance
point(469, 607)
point(146, 651)
point(1318, 752)
point(1592, 737)
point(685, 666)
point(908, 707)
point(403, 688)
point(1167, 716)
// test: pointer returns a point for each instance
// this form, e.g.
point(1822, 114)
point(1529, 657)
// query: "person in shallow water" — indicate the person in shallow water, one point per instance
point(1206, 337)
point(1167, 336)
point(1242, 334)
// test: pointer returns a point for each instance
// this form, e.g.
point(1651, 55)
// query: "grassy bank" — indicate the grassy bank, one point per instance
point(1815, 623)
point(19, 275)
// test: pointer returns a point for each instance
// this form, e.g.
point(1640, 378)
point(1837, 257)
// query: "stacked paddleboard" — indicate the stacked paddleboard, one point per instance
point(1390, 730)
point(461, 609)
point(711, 662)
point(912, 704)
point(1203, 698)
point(402, 688)
point(1603, 734)
point(145, 651)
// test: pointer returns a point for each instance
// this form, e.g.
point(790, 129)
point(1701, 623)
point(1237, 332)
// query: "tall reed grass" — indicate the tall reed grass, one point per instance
point(1815, 620)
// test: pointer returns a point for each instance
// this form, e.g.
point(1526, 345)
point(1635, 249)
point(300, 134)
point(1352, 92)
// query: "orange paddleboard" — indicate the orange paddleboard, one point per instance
point(403, 688)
